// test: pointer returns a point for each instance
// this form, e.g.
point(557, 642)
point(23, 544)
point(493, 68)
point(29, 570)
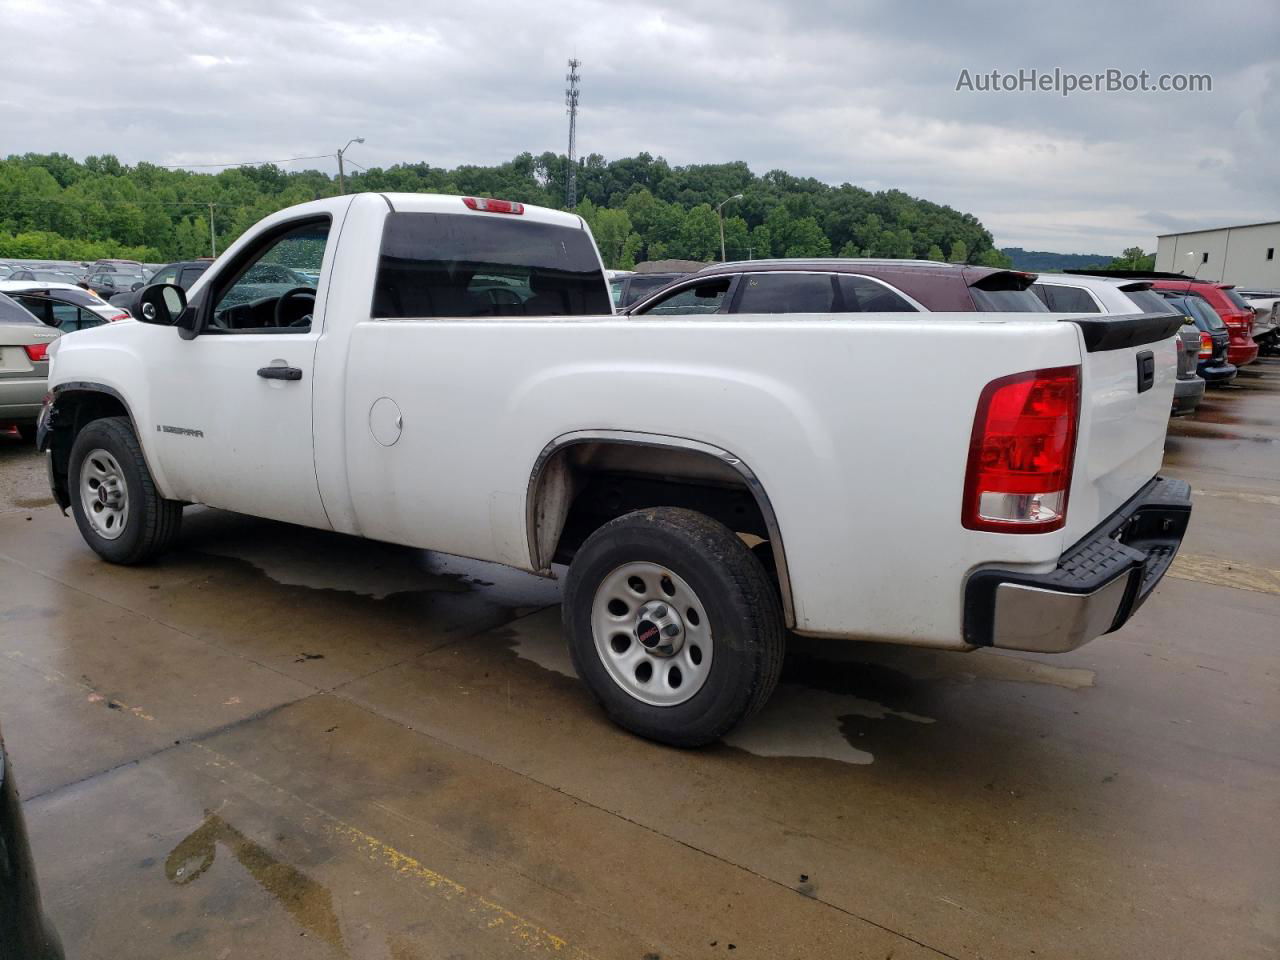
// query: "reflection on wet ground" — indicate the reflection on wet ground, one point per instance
point(306, 901)
point(818, 695)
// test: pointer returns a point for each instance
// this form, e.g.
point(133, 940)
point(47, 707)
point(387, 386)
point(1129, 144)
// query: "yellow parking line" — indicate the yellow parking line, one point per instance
point(1225, 573)
point(483, 912)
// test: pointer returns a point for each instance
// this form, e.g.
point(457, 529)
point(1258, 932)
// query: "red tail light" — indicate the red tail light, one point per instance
point(119, 316)
point(1021, 452)
point(1206, 346)
point(489, 205)
point(36, 351)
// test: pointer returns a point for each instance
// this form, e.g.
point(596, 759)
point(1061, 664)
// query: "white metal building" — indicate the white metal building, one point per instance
point(1247, 255)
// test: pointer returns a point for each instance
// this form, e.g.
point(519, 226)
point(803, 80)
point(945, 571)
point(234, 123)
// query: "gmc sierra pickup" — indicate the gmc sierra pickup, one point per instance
point(447, 373)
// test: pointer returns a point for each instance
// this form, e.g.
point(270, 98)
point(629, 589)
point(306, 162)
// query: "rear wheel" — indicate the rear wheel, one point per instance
point(673, 625)
point(114, 499)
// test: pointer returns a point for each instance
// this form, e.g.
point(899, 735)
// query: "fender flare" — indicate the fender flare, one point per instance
point(749, 478)
point(43, 426)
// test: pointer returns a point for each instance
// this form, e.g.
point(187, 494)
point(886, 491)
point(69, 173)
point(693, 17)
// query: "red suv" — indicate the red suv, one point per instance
point(1229, 305)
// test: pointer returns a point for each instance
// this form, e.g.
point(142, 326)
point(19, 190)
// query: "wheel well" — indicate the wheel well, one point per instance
point(580, 485)
point(72, 409)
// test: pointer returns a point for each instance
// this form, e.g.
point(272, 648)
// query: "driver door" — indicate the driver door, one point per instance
point(232, 407)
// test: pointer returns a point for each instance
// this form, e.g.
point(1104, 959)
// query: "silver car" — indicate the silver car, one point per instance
point(24, 366)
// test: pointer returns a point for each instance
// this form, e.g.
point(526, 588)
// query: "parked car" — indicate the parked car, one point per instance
point(107, 281)
point(1229, 305)
point(68, 292)
point(1081, 295)
point(25, 932)
point(1011, 500)
point(24, 367)
point(842, 285)
point(1212, 363)
point(184, 273)
point(1266, 322)
point(631, 287)
point(124, 266)
point(55, 311)
point(39, 275)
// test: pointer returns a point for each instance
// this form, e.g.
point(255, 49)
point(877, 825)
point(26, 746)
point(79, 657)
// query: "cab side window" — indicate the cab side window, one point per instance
point(274, 288)
point(707, 297)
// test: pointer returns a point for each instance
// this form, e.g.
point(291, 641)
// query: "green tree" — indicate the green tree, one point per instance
point(1133, 258)
point(959, 252)
point(935, 253)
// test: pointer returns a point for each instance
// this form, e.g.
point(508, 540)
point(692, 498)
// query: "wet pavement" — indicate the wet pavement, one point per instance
point(285, 743)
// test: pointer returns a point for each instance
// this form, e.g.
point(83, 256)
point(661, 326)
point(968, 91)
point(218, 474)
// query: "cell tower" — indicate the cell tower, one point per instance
point(571, 101)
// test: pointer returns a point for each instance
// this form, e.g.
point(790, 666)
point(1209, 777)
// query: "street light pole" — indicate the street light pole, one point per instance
point(720, 214)
point(342, 182)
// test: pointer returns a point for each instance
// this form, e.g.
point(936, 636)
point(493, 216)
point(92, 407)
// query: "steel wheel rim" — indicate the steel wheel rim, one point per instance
point(621, 613)
point(104, 494)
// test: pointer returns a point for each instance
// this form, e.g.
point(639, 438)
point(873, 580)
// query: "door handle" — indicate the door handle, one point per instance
point(280, 373)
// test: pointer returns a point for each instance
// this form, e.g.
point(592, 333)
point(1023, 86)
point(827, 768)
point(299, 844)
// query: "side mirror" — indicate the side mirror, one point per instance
point(137, 286)
point(160, 303)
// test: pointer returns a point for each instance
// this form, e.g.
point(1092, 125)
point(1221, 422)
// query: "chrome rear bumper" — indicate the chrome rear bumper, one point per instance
point(1098, 585)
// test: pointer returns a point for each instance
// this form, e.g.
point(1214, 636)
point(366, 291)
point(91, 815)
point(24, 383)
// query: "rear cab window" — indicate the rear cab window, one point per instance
point(471, 265)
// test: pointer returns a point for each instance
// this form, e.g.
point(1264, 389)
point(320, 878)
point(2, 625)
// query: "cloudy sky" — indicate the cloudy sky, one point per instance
point(862, 91)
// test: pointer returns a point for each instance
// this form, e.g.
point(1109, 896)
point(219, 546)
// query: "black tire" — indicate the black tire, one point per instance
point(152, 523)
point(27, 431)
point(742, 608)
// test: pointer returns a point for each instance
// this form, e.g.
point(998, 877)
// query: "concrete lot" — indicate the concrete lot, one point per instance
point(291, 744)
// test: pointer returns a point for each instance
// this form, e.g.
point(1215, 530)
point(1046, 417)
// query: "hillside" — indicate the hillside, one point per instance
point(640, 208)
point(1046, 260)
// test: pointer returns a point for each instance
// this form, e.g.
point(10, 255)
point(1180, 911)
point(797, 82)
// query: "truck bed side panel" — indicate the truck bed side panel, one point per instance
point(862, 456)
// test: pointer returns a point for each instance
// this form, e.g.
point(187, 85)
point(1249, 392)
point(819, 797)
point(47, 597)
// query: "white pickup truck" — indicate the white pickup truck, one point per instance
point(447, 373)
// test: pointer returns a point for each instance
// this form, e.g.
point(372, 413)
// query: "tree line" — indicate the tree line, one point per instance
point(639, 208)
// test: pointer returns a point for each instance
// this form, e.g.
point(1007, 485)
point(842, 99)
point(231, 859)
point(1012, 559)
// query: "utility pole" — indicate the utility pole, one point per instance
point(571, 102)
point(213, 237)
point(720, 214)
point(342, 180)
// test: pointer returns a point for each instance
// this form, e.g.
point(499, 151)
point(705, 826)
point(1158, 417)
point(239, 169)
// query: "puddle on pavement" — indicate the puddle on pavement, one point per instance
point(809, 712)
point(799, 721)
point(308, 902)
point(33, 502)
point(321, 560)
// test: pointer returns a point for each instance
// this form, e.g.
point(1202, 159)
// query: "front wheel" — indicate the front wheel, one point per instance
point(114, 499)
point(673, 625)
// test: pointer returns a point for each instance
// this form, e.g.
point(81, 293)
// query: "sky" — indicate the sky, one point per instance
point(862, 91)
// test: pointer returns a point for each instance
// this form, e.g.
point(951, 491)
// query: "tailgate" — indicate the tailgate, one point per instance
point(1128, 369)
